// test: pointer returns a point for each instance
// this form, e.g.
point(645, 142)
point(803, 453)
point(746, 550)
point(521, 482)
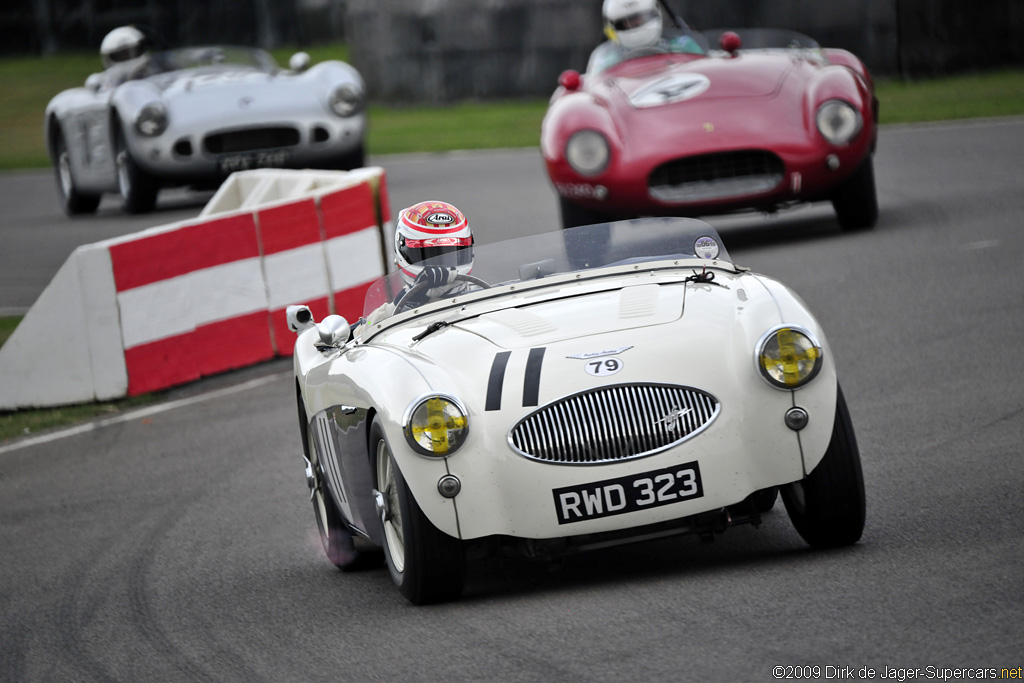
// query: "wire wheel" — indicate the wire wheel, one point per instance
point(394, 536)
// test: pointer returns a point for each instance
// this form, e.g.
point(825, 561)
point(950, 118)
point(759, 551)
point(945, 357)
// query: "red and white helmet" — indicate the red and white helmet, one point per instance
point(434, 231)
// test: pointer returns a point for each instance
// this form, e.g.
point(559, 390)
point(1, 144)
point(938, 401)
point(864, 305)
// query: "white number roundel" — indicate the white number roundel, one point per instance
point(602, 367)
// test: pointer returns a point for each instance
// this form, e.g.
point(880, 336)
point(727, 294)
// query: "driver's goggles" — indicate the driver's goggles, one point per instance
point(634, 20)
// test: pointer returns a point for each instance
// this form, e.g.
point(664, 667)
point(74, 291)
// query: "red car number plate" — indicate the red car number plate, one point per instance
point(628, 494)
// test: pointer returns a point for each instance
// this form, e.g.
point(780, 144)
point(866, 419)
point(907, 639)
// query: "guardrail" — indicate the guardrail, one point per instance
point(174, 303)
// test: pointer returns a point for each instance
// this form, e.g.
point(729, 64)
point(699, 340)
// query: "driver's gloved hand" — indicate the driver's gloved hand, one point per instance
point(436, 276)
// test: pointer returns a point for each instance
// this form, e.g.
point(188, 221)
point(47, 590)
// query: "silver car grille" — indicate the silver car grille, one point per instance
point(716, 176)
point(251, 140)
point(613, 423)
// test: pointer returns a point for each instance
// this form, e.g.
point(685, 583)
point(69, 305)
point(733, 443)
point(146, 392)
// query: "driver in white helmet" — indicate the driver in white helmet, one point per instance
point(126, 55)
point(434, 255)
point(123, 45)
point(634, 28)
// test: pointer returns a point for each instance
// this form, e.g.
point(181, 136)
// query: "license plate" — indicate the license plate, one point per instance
point(628, 494)
point(244, 162)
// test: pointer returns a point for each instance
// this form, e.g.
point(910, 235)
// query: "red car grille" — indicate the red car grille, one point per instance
point(716, 176)
point(251, 140)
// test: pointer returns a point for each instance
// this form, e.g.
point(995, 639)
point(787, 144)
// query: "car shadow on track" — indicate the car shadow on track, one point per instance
point(774, 547)
point(754, 233)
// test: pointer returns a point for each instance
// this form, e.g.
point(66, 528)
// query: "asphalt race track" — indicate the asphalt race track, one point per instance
point(179, 544)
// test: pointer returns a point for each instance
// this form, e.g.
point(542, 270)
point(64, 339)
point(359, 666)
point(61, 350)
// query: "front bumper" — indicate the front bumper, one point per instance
point(747, 448)
point(711, 182)
point(198, 155)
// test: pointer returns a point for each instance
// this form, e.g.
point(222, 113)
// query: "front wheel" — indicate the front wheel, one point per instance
point(138, 188)
point(354, 159)
point(72, 200)
point(584, 248)
point(827, 507)
point(856, 201)
point(426, 565)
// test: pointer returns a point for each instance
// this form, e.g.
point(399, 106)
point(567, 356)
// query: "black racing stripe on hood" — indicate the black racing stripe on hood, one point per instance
point(531, 384)
point(496, 381)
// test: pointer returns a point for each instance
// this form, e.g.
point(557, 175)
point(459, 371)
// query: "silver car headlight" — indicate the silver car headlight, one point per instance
point(152, 120)
point(788, 357)
point(838, 122)
point(346, 100)
point(436, 425)
point(587, 152)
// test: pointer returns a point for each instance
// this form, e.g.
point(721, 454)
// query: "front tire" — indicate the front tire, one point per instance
point(138, 189)
point(71, 200)
point(593, 250)
point(827, 507)
point(856, 200)
point(353, 160)
point(426, 565)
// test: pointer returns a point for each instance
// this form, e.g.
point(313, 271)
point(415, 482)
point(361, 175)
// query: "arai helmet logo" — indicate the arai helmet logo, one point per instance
point(706, 247)
point(441, 218)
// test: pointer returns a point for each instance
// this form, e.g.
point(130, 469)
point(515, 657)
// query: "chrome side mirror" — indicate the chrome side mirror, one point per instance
point(299, 318)
point(299, 62)
point(334, 330)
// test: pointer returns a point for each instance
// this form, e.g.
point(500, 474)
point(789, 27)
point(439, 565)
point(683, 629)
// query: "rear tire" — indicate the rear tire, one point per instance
point(827, 507)
point(426, 565)
point(856, 201)
point(71, 200)
point(138, 188)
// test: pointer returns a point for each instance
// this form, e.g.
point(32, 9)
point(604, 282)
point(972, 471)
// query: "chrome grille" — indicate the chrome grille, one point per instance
point(613, 423)
point(716, 176)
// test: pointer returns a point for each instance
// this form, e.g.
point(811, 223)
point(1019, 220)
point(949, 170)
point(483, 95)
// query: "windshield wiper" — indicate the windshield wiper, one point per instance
point(432, 328)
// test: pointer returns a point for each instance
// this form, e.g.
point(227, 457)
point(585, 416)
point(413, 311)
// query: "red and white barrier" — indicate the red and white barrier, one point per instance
point(178, 302)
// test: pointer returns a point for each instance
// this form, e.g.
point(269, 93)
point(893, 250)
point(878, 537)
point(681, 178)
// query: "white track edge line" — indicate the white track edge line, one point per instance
point(141, 413)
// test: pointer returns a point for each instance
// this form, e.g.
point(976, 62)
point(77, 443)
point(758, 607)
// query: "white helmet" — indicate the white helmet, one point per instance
point(436, 231)
point(122, 44)
point(632, 23)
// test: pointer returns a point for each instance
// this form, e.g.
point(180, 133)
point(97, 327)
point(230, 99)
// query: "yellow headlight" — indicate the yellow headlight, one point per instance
point(436, 425)
point(789, 357)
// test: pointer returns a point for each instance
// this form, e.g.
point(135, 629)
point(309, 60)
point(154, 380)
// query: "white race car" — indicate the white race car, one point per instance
point(570, 403)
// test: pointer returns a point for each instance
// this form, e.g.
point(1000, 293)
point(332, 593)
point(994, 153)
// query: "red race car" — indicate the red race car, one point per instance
point(767, 120)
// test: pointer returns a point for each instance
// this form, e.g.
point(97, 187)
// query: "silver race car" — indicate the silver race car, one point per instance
point(192, 116)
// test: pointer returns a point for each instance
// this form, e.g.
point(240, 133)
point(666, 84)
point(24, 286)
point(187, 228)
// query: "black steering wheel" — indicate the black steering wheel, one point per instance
point(410, 299)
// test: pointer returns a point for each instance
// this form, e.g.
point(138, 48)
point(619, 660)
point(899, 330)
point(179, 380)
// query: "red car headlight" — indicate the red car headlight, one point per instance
point(838, 122)
point(587, 152)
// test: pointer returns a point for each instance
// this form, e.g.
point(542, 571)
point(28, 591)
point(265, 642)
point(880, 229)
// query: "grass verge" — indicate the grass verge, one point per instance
point(26, 422)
